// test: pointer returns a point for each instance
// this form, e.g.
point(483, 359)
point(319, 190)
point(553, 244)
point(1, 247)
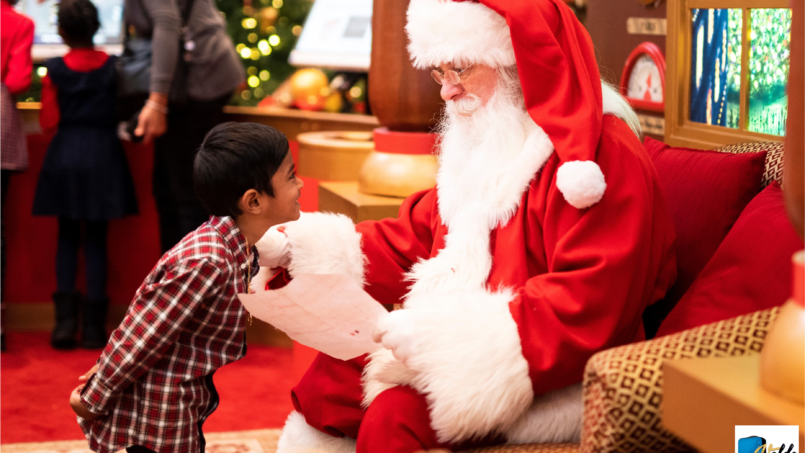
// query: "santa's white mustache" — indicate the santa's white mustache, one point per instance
point(467, 105)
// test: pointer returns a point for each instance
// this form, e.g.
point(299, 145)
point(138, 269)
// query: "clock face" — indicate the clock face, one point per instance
point(645, 83)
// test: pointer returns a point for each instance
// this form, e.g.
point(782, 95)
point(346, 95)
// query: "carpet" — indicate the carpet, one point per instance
point(36, 381)
point(258, 441)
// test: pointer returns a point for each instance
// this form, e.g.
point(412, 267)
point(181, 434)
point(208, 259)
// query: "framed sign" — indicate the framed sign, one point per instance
point(643, 78)
point(337, 35)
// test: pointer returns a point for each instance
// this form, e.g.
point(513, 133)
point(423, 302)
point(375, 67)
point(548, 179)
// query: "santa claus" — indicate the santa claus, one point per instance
point(544, 240)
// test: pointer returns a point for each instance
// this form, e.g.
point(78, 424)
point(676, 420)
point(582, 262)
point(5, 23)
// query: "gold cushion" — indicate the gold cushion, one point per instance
point(623, 386)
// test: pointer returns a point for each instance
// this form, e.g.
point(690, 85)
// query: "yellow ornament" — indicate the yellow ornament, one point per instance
point(333, 103)
point(307, 88)
point(267, 18)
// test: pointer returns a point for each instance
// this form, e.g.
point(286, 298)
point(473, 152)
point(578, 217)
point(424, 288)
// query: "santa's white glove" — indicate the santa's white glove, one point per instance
point(274, 248)
point(398, 333)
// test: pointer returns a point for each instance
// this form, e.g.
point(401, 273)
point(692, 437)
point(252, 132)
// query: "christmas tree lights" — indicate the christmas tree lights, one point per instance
point(264, 33)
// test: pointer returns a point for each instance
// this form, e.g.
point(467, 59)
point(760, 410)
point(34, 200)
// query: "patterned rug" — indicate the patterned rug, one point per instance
point(258, 441)
point(261, 441)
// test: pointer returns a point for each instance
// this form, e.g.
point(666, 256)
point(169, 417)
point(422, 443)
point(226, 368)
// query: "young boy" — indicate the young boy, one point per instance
point(152, 388)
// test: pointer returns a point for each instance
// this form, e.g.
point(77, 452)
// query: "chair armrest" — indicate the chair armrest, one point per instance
point(623, 386)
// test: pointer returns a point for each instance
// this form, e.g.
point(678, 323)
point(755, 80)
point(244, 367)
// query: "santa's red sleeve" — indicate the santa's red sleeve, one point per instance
point(606, 264)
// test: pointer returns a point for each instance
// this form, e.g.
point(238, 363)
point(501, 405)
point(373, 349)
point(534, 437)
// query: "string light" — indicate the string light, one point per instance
point(264, 32)
point(265, 49)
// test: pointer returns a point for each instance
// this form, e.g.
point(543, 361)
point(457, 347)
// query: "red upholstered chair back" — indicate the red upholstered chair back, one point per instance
point(705, 192)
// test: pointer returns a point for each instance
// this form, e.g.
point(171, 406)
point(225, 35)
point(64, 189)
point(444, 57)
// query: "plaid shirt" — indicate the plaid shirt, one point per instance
point(154, 379)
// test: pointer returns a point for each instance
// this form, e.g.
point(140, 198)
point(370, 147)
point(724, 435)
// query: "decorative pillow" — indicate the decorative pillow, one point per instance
point(705, 192)
point(654, 146)
point(750, 271)
point(774, 157)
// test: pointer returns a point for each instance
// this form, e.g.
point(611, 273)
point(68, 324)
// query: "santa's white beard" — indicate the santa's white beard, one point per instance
point(477, 142)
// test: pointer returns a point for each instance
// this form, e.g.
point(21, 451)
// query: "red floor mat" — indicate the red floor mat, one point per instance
point(36, 380)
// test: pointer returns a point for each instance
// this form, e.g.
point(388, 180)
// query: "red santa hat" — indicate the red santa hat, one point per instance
point(555, 62)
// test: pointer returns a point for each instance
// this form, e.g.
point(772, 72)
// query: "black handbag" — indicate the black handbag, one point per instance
point(134, 70)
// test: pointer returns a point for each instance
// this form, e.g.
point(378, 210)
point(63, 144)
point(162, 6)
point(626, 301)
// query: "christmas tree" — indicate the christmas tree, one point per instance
point(264, 33)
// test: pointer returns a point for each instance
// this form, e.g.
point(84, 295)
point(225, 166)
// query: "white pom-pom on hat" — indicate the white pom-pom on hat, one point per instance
point(581, 182)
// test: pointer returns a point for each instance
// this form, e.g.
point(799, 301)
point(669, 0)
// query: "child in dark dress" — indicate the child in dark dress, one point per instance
point(85, 178)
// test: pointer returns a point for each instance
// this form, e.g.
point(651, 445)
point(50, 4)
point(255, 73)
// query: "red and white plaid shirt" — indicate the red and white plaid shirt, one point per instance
point(154, 379)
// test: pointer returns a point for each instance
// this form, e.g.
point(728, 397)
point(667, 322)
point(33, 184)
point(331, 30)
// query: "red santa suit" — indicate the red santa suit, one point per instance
point(512, 275)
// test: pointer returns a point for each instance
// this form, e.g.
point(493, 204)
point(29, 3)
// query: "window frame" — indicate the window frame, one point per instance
point(679, 129)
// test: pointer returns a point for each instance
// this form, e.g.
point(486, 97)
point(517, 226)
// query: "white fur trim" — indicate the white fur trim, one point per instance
point(617, 105)
point(325, 243)
point(469, 363)
point(299, 437)
point(555, 417)
point(272, 248)
point(581, 182)
point(444, 31)
point(382, 373)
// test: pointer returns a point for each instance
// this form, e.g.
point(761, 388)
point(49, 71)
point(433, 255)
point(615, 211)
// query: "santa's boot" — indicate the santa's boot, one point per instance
point(93, 331)
point(63, 336)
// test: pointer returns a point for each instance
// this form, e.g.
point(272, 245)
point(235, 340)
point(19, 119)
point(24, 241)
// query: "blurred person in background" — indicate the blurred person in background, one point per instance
point(16, 38)
point(85, 179)
point(204, 56)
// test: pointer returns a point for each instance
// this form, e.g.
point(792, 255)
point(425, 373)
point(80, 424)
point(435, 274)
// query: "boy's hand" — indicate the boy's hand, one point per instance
point(75, 397)
point(274, 248)
point(85, 377)
point(78, 406)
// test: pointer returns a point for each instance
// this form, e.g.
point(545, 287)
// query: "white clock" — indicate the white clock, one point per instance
point(643, 78)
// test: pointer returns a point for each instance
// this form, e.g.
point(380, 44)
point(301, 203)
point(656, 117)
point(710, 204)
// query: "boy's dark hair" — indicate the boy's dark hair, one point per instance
point(234, 158)
point(78, 21)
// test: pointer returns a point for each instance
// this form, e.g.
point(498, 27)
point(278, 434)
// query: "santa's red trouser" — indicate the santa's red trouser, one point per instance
point(329, 396)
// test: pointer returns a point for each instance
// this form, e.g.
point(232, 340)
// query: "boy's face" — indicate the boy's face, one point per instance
point(287, 188)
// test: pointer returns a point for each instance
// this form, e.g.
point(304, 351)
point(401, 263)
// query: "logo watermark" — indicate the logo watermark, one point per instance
point(767, 439)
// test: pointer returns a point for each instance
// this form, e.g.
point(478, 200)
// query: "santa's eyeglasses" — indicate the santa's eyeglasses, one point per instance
point(452, 76)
